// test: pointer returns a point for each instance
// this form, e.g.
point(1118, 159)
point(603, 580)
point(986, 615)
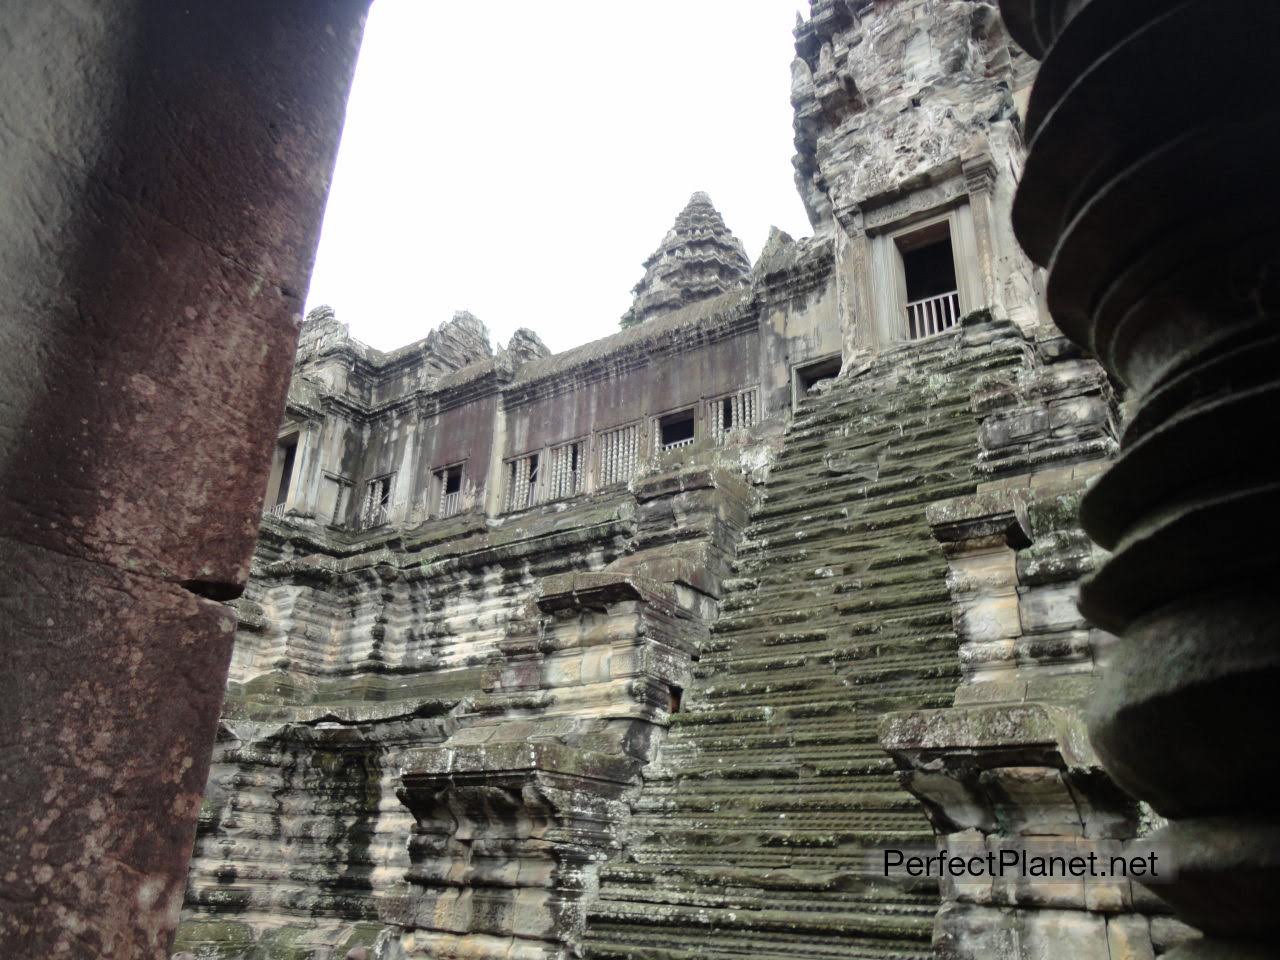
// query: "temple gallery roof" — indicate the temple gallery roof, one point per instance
point(699, 278)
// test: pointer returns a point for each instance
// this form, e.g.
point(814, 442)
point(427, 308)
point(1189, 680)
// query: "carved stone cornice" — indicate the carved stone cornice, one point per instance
point(721, 318)
point(979, 173)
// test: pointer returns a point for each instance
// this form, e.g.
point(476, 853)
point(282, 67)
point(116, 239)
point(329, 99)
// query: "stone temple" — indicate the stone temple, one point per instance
point(942, 528)
point(639, 650)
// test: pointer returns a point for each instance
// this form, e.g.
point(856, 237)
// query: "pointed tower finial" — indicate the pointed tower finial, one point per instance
point(698, 258)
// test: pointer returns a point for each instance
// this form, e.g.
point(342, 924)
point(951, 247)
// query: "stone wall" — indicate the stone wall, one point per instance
point(1009, 766)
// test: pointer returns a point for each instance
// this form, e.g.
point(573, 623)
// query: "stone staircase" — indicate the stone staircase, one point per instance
point(755, 835)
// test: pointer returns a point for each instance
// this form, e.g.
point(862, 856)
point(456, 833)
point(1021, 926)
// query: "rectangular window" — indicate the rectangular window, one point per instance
point(281, 479)
point(289, 453)
point(375, 509)
point(522, 483)
point(448, 486)
point(737, 411)
point(619, 453)
point(567, 477)
point(933, 295)
point(807, 376)
point(675, 430)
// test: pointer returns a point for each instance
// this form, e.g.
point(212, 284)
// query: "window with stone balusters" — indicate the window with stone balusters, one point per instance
point(674, 431)
point(375, 509)
point(567, 472)
point(521, 483)
point(619, 454)
point(733, 412)
point(447, 484)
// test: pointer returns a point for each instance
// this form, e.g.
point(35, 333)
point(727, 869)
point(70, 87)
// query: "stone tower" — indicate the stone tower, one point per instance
point(698, 258)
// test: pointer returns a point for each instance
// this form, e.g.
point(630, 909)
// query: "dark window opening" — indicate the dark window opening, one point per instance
point(452, 480)
point(674, 696)
point(376, 508)
point(676, 429)
point(810, 375)
point(726, 414)
point(448, 498)
point(930, 270)
point(289, 451)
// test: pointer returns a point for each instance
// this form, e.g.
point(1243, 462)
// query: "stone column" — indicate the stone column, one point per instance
point(163, 179)
point(980, 177)
point(1155, 211)
point(854, 283)
point(493, 488)
point(304, 494)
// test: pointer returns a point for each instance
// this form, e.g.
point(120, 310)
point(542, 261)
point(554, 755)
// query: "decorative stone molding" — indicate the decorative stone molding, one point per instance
point(979, 173)
point(884, 92)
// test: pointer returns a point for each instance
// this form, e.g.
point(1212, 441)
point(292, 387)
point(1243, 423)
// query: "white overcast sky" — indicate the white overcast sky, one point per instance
point(520, 160)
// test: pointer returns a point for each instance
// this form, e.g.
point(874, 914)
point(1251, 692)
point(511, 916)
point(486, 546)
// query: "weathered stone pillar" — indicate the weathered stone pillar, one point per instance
point(163, 178)
point(1152, 200)
point(980, 179)
point(858, 320)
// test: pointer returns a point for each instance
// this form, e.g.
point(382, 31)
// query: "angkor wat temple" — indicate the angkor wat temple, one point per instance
point(639, 649)
point(647, 650)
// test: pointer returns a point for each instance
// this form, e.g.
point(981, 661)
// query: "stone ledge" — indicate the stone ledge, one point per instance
point(1045, 729)
point(995, 514)
point(436, 764)
point(564, 591)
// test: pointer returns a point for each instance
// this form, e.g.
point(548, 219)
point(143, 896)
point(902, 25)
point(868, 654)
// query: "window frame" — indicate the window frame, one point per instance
point(656, 420)
point(440, 486)
point(721, 435)
point(798, 369)
point(599, 438)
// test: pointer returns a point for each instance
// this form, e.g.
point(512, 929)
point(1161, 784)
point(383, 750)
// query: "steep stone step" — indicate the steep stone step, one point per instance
point(752, 833)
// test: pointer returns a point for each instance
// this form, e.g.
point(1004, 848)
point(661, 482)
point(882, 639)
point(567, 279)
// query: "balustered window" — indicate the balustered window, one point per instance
point(447, 482)
point(675, 430)
point(567, 475)
point(375, 508)
point(619, 453)
point(933, 294)
point(737, 411)
point(522, 482)
point(281, 479)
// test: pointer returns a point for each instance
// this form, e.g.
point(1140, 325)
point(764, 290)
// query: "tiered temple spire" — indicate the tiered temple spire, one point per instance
point(698, 258)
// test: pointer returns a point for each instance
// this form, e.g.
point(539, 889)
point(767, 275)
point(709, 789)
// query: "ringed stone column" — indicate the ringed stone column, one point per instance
point(163, 172)
point(1151, 195)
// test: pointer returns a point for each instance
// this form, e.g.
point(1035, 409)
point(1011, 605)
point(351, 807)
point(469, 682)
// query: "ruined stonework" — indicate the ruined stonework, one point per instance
point(645, 649)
